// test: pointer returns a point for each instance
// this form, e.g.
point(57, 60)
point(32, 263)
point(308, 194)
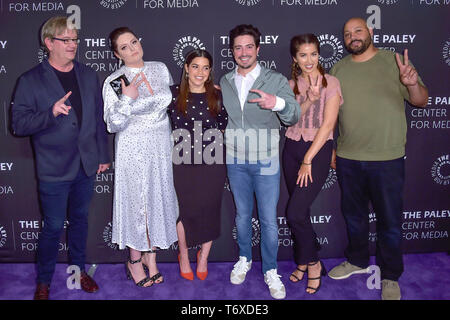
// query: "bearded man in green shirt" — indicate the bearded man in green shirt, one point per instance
point(371, 149)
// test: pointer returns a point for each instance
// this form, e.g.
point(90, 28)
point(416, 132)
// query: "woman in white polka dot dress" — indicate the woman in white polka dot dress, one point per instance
point(145, 207)
point(198, 120)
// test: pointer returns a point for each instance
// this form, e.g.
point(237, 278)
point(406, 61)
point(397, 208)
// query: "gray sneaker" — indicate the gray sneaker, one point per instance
point(345, 270)
point(390, 290)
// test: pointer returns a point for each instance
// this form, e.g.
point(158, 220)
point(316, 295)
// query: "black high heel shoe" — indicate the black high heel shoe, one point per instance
point(156, 276)
point(293, 275)
point(323, 272)
point(130, 277)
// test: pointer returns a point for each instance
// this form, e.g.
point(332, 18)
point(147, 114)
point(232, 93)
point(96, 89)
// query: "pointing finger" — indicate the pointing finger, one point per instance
point(63, 99)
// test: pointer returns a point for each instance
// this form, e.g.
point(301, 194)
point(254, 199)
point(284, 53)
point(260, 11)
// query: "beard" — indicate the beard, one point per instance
point(364, 45)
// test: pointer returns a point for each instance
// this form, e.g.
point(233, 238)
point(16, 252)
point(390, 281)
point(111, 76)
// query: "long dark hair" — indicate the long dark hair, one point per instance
point(211, 92)
point(296, 42)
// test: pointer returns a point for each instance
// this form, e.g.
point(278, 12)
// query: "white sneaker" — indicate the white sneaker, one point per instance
point(276, 287)
point(240, 270)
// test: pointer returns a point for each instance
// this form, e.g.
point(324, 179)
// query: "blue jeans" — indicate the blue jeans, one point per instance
point(262, 179)
point(381, 183)
point(58, 199)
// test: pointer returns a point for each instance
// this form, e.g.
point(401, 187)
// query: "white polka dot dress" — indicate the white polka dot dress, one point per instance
point(145, 201)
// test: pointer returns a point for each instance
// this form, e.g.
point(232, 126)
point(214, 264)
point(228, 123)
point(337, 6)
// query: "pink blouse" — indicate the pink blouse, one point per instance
point(312, 120)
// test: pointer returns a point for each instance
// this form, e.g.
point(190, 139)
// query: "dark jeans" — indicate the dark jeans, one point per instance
point(380, 182)
point(298, 209)
point(57, 200)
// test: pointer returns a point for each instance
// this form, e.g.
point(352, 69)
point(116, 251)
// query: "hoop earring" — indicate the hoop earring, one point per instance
point(120, 63)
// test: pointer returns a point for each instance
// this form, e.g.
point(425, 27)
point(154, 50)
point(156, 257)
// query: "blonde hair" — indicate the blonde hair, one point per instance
point(55, 26)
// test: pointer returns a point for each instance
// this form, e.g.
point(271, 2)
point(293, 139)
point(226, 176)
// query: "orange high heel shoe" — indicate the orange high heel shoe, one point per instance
point(200, 275)
point(185, 275)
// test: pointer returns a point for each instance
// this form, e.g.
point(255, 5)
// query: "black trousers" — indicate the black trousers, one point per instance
point(306, 246)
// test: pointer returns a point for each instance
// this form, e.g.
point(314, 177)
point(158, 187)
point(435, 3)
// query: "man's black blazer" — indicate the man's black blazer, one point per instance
point(59, 144)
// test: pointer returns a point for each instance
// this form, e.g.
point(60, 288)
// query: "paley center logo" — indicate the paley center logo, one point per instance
point(248, 3)
point(440, 171)
point(446, 52)
point(107, 236)
point(331, 179)
point(183, 46)
point(387, 2)
point(331, 50)
point(112, 4)
point(42, 54)
point(256, 235)
point(3, 236)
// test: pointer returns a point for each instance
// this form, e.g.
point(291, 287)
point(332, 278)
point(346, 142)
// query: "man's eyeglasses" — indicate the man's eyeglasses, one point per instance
point(67, 41)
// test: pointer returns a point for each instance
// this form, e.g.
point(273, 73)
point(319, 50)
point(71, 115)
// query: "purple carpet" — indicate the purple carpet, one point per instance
point(426, 277)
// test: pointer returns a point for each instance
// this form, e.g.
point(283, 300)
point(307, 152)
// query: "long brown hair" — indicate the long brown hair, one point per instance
point(212, 96)
point(296, 42)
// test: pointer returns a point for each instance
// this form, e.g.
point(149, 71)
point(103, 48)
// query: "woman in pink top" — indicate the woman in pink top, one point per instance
point(307, 152)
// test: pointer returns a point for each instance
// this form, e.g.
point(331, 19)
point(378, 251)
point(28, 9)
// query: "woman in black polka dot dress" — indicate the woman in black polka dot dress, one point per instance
point(198, 120)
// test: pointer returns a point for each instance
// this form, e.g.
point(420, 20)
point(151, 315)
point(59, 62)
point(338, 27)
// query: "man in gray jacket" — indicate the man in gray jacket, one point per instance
point(256, 99)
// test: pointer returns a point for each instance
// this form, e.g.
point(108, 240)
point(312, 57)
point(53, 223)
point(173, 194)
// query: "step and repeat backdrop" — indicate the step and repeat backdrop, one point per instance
point(168, 30)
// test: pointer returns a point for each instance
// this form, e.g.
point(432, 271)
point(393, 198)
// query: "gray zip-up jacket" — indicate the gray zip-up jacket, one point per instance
point(254, 133)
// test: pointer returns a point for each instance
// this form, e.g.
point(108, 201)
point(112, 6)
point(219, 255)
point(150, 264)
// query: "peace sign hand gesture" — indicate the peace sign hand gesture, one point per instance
point(408, 75)
point(132, 89)
point(314, 89)
point(60, 108)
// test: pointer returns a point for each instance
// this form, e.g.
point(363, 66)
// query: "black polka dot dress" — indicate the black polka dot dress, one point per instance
point(199, 167)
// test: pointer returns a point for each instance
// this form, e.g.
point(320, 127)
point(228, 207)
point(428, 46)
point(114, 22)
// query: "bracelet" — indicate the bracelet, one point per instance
point(306, 164)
